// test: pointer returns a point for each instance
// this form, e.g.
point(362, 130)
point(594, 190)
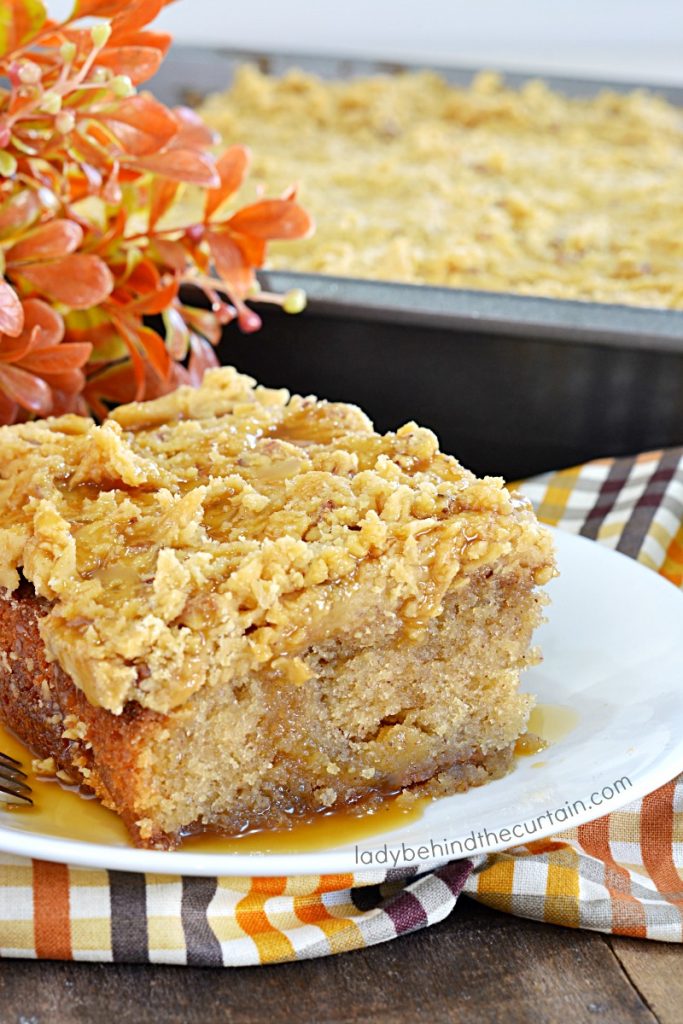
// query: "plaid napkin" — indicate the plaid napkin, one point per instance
point(621, 874)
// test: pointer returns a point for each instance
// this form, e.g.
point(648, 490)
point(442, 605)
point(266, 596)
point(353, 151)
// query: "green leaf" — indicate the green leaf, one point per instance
point(20, 20)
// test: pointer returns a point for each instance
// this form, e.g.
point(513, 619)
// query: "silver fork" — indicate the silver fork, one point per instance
point(13, 786)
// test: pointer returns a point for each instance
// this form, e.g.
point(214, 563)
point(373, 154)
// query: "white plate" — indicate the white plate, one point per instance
point(613, 652)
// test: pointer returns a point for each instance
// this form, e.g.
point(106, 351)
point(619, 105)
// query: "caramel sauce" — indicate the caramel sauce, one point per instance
point(319, 832)
point(547, 724)
point(58, 810)
point(529, 744)
point(66, 812)
point(553, 721)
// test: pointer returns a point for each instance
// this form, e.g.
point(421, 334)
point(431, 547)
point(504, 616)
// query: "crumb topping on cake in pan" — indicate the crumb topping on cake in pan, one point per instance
point(411, 178)
point(226, 528)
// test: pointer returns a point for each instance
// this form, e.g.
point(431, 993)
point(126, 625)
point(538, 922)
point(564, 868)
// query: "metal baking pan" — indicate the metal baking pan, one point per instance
point(511, 384)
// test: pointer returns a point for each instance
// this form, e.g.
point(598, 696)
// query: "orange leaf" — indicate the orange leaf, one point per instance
point(79, 280)
point(43, 328)
point(69, 398)
point(177, 333)
point(49, 323)
point(253, 249)
point(19, 21)
point(28, 391)
point(231, 263)
point(91, 326)
point(49, 241)
point(138, 62)
point(82, 147)
point(80, 36)
point(99, 8)
point(182, 165)
point(157, 301)
point(138, 363)
point(111, 192)
point(162, 193)
point(98, 135)
point(19, 212)
point(116, 228)
point(232, 165)
point(156, 351)
point(203, 321)
point(13, 350)
point(8, 408)
point(141, 124)
point(192, 132)
point(58, 359)
point(170, 254)
point(116, 384)
point(143, 277)
point(134, 142)
point(202, 358)
point(72, 381)
point(156, 40)
point(146, 113)
point(272, 218)
point(11, 311)
point(134, 16)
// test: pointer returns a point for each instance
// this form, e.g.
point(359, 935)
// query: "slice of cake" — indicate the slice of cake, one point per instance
point(229, 607)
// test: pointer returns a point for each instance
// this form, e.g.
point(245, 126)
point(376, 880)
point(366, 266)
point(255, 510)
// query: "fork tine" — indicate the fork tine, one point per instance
point(15, 796)
point(14, 781)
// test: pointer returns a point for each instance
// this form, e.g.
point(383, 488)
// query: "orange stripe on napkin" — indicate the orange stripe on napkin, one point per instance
point(562, 890)
point(51, 920)
point(673, 563)
point(272, 944)
point(657, 835)
point(333, 883)
point(654, 456)
point(628, 913)
point(496, 882)
point(559, 490)
point(341, 932)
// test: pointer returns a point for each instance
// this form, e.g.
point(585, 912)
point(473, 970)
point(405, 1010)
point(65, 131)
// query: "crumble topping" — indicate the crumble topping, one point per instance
point(413, 179)
point(216, 530)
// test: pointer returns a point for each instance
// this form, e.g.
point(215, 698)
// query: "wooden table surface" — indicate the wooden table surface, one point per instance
point(478, 966)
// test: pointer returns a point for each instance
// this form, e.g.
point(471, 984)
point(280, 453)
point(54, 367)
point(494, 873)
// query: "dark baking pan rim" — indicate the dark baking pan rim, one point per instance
point(505, 313)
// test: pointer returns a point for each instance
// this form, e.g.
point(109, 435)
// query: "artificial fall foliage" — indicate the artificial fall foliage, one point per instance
point(93, 176)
